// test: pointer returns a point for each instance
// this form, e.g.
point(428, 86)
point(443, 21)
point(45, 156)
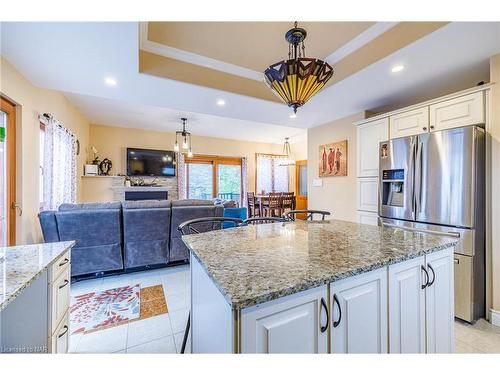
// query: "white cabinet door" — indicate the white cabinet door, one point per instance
point(59, 342)
point(369, 218)
point(407, 307)
point(461, 111)
point(367, 193)
point(292, 324)
point(409, 123)
point(359, 313)
point(59, 297)
point(439, 296)
point(369, 136)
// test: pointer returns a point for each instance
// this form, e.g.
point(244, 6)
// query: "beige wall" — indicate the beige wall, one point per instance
point(30, 102)
point(111, 142)
point(338, 194)
point(495, 184)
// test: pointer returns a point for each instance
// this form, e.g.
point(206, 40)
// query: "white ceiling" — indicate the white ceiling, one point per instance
point(76, 57)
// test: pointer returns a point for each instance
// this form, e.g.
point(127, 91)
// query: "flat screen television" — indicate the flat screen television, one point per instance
point(142, 162)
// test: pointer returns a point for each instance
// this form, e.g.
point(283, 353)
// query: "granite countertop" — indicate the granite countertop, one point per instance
point(260, 263)
point(21, 265)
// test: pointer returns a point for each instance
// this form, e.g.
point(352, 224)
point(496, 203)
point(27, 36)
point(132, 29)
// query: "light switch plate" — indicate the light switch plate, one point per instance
point(317, 182)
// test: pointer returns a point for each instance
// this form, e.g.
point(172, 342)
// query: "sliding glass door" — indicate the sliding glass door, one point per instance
point(200, 181)
point(214, 177)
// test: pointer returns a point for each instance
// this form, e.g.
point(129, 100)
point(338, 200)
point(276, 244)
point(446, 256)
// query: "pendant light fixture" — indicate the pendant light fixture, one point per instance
point(297, 79)
point(185, 137)
point(287, 152)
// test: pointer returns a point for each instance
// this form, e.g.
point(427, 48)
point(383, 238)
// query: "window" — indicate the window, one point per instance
point(210, 177)
point(269, 175)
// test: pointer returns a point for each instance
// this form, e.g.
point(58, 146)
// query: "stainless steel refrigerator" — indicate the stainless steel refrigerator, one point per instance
point(435, 183)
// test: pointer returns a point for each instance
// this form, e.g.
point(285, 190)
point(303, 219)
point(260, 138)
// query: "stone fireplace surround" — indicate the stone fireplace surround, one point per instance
point(163, 183)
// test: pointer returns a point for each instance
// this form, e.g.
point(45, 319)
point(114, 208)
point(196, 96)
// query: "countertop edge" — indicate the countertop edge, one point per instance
point(16, 293)
point(245, 303)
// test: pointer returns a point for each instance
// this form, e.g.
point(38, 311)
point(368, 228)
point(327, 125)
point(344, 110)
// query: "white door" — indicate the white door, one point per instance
point(409, 123)
point(369, 136)
point(407, 283)
point(292, 324)
point(439, 298)
point(359, 313)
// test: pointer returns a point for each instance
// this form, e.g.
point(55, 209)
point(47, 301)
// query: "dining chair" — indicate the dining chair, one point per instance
point(263, 220)
point(290, 215)
point(273, 204)
point(253, 207)
point(287, 202)
point(196, 226)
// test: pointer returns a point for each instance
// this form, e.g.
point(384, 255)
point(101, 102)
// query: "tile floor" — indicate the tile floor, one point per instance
point(159, 334)
point(164, 333)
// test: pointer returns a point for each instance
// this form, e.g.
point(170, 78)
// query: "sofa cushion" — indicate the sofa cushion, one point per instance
point(90, 206)
point(49, 226)
point(192, 202)
point(129, 205)
point(98, 237)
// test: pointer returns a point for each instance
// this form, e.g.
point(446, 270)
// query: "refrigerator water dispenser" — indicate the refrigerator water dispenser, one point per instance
point(393, 187)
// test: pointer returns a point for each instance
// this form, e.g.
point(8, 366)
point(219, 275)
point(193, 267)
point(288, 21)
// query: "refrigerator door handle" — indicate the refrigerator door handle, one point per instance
point(447, 234)
point(411, 169)
point(418, 178)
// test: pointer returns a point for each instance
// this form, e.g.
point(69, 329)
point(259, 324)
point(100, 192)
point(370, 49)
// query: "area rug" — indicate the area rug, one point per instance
point(109, 308)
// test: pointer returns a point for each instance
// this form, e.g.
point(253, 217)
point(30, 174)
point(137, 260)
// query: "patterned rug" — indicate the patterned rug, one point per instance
point(100, 310)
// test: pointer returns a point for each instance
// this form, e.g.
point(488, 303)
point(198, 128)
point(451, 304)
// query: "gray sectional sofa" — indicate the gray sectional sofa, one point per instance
point(124, 236)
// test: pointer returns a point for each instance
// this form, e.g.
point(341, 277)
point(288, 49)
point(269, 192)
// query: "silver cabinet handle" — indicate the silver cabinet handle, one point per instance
point(66, 260)
point(66, 282)
point(456, 261)
point(65, 331)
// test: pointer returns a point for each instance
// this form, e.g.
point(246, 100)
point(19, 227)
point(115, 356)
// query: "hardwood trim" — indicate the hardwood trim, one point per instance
point(10, 109)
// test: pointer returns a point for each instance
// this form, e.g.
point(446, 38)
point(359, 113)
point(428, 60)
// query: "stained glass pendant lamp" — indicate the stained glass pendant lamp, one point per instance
point(185, 137)
point(297, 79)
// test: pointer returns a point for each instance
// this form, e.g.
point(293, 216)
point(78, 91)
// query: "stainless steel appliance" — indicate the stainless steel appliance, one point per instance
point(435, 183)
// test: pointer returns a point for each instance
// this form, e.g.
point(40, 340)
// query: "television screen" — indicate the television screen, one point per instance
point(142, 162)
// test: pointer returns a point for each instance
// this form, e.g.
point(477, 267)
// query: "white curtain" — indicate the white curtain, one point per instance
point(244, 181)
point(271, 177)
point(59, 165)
point(181, 176)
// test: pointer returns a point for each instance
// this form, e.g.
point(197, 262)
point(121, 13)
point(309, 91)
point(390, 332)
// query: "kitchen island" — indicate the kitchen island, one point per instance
point(321, 287)
point(34, 297)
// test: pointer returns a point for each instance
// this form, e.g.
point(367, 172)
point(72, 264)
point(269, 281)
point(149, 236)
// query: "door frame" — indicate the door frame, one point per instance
point(10, 109)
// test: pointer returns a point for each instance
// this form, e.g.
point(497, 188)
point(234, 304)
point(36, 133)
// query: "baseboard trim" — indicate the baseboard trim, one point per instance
point(495, 317)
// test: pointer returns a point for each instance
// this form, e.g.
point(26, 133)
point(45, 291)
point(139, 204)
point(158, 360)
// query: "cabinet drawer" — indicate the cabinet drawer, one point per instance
point(462, 111)
point(409, 123)
point(367, 193)
point(59, 341)
point(59, 297)
point(60, 265)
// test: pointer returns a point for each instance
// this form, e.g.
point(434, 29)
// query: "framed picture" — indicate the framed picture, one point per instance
point(333, 159)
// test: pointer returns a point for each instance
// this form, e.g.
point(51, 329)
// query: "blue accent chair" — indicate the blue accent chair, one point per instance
point(240, 213)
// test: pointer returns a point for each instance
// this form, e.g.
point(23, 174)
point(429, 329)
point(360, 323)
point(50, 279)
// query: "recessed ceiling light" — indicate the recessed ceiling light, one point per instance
point(221, 102)
point(293, 115)
point(110, 81)
point(397, 68)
